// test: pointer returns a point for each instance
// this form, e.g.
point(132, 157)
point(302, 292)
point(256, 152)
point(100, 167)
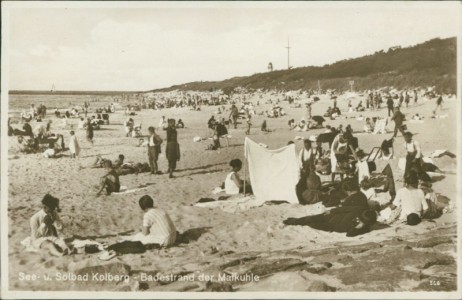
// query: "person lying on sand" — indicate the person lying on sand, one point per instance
point(50, 152)
point(233, 185)
point(157, 228)
point(110, 181)
point(99, 162)
point(44, 228)
point(353, 216)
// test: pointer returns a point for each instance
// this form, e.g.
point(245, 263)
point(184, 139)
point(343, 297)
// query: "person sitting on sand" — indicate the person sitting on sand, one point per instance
point(180, 124)
point(291, 124)
point(44, 227)
point(360, 107)
point(233, 185)
point(353, 216)
point(157, 228)
point(369, 127)
point(24, 145)
point(410, 203)
point(312, 192)
point(27, 131)
point(109, 181)
point(329, 112)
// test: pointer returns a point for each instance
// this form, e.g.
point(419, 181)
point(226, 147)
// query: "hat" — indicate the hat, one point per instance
point(368, 217)
point(408, 133)
point(313, 138)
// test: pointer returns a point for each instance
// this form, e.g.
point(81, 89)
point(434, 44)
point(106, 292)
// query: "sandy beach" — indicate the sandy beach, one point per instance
point(214, 242)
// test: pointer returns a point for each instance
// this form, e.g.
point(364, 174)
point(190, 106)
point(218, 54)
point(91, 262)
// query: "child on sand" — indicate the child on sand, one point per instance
point(44, 228)
point(233, 184)
point(74, 147)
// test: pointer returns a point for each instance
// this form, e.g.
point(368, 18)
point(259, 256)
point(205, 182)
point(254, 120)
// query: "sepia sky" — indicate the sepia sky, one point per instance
point(130, 47)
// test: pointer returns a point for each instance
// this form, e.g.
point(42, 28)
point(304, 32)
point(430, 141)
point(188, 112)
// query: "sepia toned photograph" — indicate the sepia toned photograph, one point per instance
point(230, 150)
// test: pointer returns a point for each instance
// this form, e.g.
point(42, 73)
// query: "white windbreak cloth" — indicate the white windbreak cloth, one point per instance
point(273, 173)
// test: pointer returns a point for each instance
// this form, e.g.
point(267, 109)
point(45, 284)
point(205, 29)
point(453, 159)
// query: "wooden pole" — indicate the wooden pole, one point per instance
point(245, 169)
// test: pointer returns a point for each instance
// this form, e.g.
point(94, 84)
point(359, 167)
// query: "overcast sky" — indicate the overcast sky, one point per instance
point(123, 48)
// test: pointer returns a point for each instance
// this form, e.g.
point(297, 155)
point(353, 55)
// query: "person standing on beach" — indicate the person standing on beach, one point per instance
point(308, 111)
point(234, 115)
point(74, 147)
point(89, 131)
point(439, 103)
point(172, 148)
point(398, 117)
point(154, 142)
point(249, 124)
point(389, 105)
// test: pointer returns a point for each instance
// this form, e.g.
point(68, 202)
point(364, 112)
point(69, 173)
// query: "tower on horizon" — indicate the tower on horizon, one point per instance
point(288, 54)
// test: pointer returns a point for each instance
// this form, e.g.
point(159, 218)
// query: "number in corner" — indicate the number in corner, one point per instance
point(435, 282)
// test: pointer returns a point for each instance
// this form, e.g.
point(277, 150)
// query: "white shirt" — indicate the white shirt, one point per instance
point(151, 140)
point(231, 187)
point(410, 201)
point(370, 193)
point(160, 225)
point(50, 152)
point(414, 146)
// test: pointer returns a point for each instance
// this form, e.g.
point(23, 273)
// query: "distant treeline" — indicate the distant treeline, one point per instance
point(98, 93)
point(432, 63)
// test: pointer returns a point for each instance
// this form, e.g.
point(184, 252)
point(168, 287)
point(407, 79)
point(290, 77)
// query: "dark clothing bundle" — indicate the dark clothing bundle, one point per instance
point(127, 247)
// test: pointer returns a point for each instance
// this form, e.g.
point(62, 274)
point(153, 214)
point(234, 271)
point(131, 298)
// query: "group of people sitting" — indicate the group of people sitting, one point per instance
point(332, 112)
point(29, 140)
point(315, 122)
point(157, 231)
point(376, 125)
point(275, 112)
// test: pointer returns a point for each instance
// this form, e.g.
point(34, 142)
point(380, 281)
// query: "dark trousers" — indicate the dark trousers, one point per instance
point(390, 111)
point(400, 128)
point(153, 155)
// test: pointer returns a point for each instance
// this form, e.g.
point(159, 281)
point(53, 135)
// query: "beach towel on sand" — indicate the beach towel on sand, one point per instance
point(273, 173)
point(233, 205)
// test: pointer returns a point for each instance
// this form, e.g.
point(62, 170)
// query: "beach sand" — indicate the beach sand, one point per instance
point(293, 258)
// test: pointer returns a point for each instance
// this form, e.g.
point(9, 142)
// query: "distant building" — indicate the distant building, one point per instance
point(270, 67)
